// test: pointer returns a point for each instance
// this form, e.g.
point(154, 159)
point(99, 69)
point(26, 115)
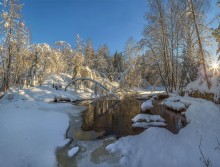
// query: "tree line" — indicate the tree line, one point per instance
point(171, 53)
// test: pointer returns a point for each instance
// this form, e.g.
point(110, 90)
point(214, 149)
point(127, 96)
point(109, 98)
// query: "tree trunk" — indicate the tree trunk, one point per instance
point(202, 58)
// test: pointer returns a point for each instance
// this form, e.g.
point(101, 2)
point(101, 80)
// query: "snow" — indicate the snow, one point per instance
point(46, 92)
point(29, 136)
point(148, 124)
point(174, 103)
point(147, 118)
point(159, 147)
point(177, 106)
point(201, 86)
point(146, 105)
point(31, 128)
point(73, 151)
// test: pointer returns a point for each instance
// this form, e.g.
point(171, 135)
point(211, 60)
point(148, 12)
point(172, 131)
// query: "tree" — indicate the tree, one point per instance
point(89, 54)
point(202, 56)
point(101, 59)
point(216, 34)
point(172, 39)
point(67, 55)
point(11, 16)
point(18, 62)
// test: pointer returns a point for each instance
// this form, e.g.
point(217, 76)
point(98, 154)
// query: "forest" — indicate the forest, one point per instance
point(173, 46)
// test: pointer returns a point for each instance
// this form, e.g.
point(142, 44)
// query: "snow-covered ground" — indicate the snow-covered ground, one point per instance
point(29, 135)
point(159, 147)
point(31, 128)
point(201, 86)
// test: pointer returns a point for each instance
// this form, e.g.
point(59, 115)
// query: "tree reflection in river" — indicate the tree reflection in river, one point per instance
point(114, 118)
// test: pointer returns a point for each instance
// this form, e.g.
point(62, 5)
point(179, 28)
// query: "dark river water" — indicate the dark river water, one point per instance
point(105, 117)
point(111, 117)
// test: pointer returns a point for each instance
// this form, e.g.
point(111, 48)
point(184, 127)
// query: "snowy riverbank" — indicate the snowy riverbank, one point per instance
point(31, 128)
point(159, 147)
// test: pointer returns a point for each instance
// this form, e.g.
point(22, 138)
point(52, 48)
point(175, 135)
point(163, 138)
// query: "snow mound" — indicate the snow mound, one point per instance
point(146, 125)
point(174, 103)
point(146, 105)
point(148, 118)
point(177, 106)
point(73, 151)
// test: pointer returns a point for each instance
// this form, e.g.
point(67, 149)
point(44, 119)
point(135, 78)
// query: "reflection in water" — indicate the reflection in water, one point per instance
point(63, 160)
point(114, 118)
point(175, 121)
point(106, 117)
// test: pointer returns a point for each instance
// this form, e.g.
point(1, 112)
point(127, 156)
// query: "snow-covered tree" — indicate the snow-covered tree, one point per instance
point(89, 54)
point(101, 60)
point(67, 54)
point(11, 20)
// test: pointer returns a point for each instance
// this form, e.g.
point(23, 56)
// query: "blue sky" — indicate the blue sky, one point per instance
point(104, 21)
point(109, 22)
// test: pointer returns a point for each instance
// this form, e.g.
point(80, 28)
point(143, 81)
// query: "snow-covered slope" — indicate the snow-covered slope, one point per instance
point(46, 92)
point(201, 86)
